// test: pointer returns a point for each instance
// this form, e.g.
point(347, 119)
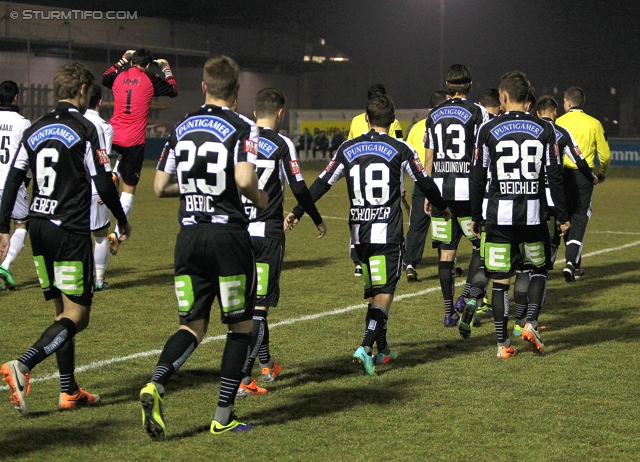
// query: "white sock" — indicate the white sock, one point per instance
point(16, 244)
point(126, 200)
point(101, 255)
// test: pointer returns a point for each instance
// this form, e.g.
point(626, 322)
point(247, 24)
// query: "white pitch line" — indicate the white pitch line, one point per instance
point(144, 354)
point(615, 232)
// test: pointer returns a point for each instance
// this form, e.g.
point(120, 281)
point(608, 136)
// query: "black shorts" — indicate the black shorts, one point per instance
point(130, 162)
point(446, 235)
point(214, 261)
point(381, 267)
point(578, 191)
point(64, 262)
point(268, 253)
point(507, 248)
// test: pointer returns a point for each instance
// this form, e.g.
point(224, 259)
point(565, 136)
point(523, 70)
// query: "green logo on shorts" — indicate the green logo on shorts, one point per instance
point(41, 269)
point(497, 257)
point(232, 290)
point(378, 270)
point(365, 276)
point(465, 226)
point(262, 270)
point(68, 277)
point(184, 292)
point(483, 238)
point(440, 229)
point(534, 253)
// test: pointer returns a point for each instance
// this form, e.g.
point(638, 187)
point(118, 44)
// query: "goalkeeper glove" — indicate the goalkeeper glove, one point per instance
point(126, 57)
point(164, 67)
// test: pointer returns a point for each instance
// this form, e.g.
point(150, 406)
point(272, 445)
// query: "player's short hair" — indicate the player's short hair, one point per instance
point(221, 74)
point(575, 95)
point(268, 102)
point(142, 57)
point(96, 96)
point(8, 91)
point(516, 85)
point(69, 80)
point(376, 89)
point(458, 79)
point(438, 97)
point(490, 98)
point(546, 103)
point(531, 96)
point(380, 111)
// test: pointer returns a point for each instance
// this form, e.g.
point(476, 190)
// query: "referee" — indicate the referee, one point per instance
point(590, 136)
point(419, 221)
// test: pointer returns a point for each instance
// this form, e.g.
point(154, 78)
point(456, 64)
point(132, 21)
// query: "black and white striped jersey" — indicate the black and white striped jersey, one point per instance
point(373, 165)
point(12, 126)
point(63, 151)
point(277, 162)
point(517, 151)
point(202, 152)
point(451, 130)
point(568, 146)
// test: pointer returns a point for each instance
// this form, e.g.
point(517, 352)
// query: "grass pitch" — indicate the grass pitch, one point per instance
point(445, 398)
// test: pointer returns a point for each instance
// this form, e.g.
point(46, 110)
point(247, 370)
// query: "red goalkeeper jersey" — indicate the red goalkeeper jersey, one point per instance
point(133, 90)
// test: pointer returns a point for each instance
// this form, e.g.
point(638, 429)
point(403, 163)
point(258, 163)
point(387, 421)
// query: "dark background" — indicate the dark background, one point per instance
point(589, 43)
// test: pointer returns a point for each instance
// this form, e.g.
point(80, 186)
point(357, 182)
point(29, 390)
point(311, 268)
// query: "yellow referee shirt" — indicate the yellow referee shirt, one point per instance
point(359, 127)
point(415, 138)
point(589, 135)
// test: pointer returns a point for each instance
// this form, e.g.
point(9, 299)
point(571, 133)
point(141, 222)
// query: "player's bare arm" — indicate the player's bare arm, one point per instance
point(165, 185)
point(428, 160)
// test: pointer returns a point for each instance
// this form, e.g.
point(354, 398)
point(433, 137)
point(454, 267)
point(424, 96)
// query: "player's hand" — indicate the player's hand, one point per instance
point(263, 200)
point(564, 227)
point(595, 180)
point(476, 229)
point(125, 232)
point(162, 63)
point(100, 201)
point(128, 55)
point(322, 227)
point(446, 214)
point(290, 222)
point(427, 207)
point(601, 178)
point(4, 246)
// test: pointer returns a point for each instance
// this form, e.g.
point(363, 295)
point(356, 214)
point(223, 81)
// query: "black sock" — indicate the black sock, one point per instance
point(233, 359)
point(537, 293)
point(500, 307)
point(381, 339)
point(377, 321)
point(474, 266)
point(263, 353)
point(521, 297)
point(51, 339)
point(446, 273)
point(175, 352)
point(258, 330)
point(479, 281)
point(66, 358)
point(367, 319)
